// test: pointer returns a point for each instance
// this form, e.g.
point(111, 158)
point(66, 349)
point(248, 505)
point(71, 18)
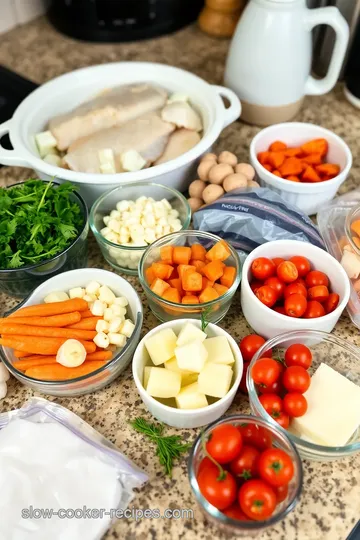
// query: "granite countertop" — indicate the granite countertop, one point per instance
point(330, 503)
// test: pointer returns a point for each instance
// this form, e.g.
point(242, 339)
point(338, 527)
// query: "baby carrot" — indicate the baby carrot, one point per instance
point(41, 345)
point(99, 355)
point(57, 372)
point(40, 331)
point(27, 363)
point(86, 324)
point(86, 314)
point(53, 308)
point(21, 354)
point(55, 320)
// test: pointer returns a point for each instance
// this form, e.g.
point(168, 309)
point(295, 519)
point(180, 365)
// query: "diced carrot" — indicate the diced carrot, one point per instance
point(181, 255)
point(192, 281)
point(176, 284)
point(208, 294)
point(293, 152)
point(228, 276)
point(263, 157)
point(159, 286)
point(150, 275)
point(277, 146)
point(172, 295)
point(312, 159)
point(219, 252)
point(220, 289)
point(162, 271)
point(277, 173)
point(328, 169)
point(355, 227)
point(343, 242)
point(190, 299)
point(293, 178)
point(356, 241)
point(183, 268)
point(166, 253)
point(276, 159)
point(291, 166)
point(214, 270)
point(268, 167)
point(198, 252)
point(316, 146)
point(199, 265)
point(207, 283)
point(310, 175)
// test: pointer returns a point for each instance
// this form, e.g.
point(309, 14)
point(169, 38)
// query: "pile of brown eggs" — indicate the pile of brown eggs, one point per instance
point(217, 175)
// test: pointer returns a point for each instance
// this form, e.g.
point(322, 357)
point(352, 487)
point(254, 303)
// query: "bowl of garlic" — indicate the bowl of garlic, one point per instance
point(125, 220)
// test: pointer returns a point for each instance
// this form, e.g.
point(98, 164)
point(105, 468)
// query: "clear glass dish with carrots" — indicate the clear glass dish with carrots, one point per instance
point(306, 163)
point(187, 273)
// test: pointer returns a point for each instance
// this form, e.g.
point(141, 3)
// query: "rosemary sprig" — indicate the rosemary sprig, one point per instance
point(204, 316)
point(168, 448)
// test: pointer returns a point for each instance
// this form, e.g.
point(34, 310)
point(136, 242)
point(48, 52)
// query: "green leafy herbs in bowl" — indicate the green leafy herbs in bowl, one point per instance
point(38, 220)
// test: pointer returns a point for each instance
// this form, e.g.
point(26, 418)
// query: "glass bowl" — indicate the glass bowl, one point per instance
point(353, 215)
point(19, 282)
point(126, 258)
point(167, 311)
point(337, 354)
point(215, 516)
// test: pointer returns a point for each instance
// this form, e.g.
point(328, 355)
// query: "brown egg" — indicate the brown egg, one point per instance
point(217, 173)
point(195, 203)
point(209, 155)
point(227, 157)
point(204, 168)
point(212, 192)
point(247, 169)
point(235, 181)
point(196, 188)
point(253, 184)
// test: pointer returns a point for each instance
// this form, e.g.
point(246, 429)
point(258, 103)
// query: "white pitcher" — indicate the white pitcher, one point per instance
point(270, 56)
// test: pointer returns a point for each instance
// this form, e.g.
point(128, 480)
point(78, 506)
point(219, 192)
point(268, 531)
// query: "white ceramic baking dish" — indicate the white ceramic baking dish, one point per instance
point(68, 91)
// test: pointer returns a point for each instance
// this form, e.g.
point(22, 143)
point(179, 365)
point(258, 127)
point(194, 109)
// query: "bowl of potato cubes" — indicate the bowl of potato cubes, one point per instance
point(187, 375)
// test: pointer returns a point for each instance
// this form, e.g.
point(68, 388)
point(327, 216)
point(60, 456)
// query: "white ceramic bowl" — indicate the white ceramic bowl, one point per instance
point(106, 374)
point(269, 323)
point(191, 418)
point(68, 91)
point(306, 196)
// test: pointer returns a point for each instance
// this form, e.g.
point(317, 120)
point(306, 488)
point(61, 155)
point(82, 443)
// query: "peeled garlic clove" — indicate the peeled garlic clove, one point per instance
point(71, 354)
point(4, 374)
point(219, 172)
point(204, 168)
point(58, 296)
point(235, 181)
point(3, 390)
point(195, 203)
point(196, 188)
point(253, 184)
point(246, 169)
point(227, 157)
point(212, 192)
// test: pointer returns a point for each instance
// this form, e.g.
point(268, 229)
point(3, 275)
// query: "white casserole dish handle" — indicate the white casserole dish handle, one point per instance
point(10, 157)
point(232, 112)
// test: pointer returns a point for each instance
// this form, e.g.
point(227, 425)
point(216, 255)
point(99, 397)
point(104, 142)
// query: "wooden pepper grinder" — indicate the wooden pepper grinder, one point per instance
point(220, 17)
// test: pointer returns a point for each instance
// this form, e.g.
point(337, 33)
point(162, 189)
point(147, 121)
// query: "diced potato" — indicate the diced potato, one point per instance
point(161, 346)
point(190, 397)
point(188, 378)
point(173, 366)
point(45, 142)
point(58, 296)
point(215, 380)
point(219, 350)
point(192, 356)
point(146, 376)
point(188, 333)
point(163, 383)
point(53, 159)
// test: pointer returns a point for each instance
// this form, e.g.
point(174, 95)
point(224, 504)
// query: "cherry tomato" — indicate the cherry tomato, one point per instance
point(255, 436)
point(302, 264)
point(242, 385)
point(314, 310)
point(295, 305)
point(272, 404)
point(296, 379)
point(257, 499)
point(319, 293)
point(221, 493)
point(281, 493)
point(266, 295)
point(278, 286)
point(276, 467)
point(244, 466)
point(266, 371)
point(249, 345)
point(277, 261)
point(295, 404)
point(280, 309)
point(255, 285)
point(315, 277)
point(234, 512)
point(205, 464)
point(262, 268)
point(301, 281)
point(298, 355)
point(283, 420)
point(224, 443)
point(274, 388)
point(287, 272)
point(332, 302)
point(295, 288)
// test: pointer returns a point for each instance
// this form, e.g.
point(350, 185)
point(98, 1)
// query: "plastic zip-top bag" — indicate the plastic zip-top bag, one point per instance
point(60, 478)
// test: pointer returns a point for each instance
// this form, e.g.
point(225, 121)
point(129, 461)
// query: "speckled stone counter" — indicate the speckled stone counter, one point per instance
point(330, 503)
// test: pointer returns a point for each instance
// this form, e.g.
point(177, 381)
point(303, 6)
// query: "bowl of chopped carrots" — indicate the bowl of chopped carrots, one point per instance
point(190, 273)
point(306, 164)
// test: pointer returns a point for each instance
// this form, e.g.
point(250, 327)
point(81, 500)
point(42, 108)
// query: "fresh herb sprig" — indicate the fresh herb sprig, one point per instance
point(37, 221)
point(168, 448)
point(204, 318)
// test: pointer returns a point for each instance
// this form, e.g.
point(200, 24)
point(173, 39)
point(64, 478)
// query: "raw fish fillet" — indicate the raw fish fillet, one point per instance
point(147, 134)
point(180, 142)
point(112, 108)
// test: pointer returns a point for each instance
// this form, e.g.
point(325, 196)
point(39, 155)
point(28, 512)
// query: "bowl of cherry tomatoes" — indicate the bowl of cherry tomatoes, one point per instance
point(292, 285)
point(245, 473)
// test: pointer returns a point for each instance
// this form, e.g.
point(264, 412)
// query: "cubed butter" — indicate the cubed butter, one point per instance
point(163, 383)
point(192, 356)
point(188, 333)
point(190, 397)
point(161, 346)
point(219, 350)
point(215, 380)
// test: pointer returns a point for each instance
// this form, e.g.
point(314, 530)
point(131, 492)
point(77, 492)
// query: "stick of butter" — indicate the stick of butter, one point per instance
point(333, 413)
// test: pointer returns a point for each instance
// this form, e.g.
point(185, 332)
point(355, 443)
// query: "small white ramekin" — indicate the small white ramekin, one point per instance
point(306, 196)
